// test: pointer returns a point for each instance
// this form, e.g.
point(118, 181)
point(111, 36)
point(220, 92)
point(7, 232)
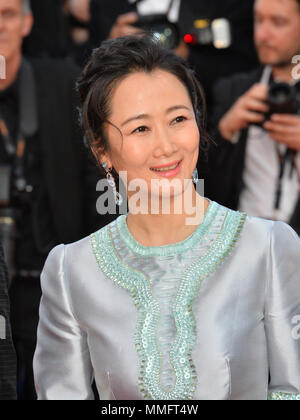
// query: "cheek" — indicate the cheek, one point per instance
point(132, 156)
point(191, 139)
point(287, 37)
point(296, 43)
point(15, 37)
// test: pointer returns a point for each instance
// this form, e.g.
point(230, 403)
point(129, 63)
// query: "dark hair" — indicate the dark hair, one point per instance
point(112, 62)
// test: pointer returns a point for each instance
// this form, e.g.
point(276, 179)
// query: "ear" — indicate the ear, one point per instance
point(27, 24)
point(101, 156)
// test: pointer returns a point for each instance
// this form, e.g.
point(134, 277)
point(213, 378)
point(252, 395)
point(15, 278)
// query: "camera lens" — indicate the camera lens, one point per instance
point(281, 99)
point(162, 30)
point(280, 93)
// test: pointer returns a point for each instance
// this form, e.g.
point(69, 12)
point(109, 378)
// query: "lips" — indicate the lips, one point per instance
point(267, 47)
point(163, 168)
point(169, 171)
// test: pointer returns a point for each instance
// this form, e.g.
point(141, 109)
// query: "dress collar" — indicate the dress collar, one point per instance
point(172, 249)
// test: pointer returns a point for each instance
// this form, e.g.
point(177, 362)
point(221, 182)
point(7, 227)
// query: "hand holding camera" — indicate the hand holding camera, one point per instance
point(276, 108)
point(124, 26)
point(283, 120)
point(248, 109)
point(158, 25)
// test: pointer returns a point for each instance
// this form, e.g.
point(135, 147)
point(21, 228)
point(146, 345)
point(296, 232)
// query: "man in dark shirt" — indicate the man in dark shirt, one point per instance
point(7, 352)
point(52, 188)
point(256, 166)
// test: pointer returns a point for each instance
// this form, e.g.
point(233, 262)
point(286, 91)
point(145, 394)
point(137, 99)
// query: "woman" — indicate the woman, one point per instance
point(158, 304)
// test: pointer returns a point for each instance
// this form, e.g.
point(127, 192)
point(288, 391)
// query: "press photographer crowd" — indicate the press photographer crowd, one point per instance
point(246, 55)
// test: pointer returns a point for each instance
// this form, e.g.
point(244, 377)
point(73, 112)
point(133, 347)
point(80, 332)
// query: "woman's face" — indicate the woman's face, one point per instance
point(155, 115)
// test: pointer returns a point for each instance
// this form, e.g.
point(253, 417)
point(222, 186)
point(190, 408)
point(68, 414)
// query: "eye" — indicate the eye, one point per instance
point(140, 129)
point(280, 22)
point(179, 119)
point(7, 14)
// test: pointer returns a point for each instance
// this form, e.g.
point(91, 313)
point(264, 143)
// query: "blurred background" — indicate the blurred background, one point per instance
point(47, 176)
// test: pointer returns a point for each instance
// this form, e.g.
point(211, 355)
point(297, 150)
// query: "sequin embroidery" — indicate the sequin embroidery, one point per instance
point(147, 305)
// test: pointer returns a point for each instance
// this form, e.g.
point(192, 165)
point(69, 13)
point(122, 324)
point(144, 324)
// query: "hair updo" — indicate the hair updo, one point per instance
point(112, 62)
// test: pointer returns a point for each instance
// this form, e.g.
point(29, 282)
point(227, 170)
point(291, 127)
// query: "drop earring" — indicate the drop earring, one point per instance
point(111, 181)
point(195, 176)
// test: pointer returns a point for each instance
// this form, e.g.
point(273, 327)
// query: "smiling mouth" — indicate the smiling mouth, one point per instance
point(166, 168)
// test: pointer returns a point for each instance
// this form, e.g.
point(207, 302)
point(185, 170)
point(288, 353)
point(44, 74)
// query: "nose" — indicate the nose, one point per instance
point(165, 144)
point(263, 32)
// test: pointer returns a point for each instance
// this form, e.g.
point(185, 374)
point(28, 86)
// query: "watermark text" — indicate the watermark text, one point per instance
point(2, 328)
point(296, 69)
point(2, 67)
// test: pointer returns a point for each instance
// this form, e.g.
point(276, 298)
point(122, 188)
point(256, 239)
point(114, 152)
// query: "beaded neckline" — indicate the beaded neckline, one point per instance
point(172, 249)
point(225, 227)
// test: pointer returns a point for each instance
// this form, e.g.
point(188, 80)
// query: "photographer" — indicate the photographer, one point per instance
point(48, 190)
point(118, 18)
point(258, 159)
point(7, 352)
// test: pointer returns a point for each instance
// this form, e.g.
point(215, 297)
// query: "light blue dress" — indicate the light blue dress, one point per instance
point(216, 316)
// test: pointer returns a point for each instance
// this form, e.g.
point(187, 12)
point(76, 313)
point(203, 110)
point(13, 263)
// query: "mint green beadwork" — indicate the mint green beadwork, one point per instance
point(148, 308)
point(172, 249)
point(282, 396)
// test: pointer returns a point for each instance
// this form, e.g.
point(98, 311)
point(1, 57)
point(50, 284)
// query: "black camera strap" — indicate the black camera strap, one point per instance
point(283, 158)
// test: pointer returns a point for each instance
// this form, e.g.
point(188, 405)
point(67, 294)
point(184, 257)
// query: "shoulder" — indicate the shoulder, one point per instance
point(73, 268)
point(259, 226)
point(271, 229)
point(285, 242)
point(275, 230)
point(76, 253)
point(239, 81)
point(272, 240)
point(256, 231)
point(249, 232)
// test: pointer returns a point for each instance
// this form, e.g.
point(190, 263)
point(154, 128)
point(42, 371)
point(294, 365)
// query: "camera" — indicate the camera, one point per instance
point(283, 99)
point(161, 29)
point(206, 32)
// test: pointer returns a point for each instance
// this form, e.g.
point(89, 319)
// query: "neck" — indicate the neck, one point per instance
point(283, 73)
point(164, 229)
point(12, 69)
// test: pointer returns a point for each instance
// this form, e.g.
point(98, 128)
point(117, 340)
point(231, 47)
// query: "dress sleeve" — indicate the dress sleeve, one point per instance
point(282, 314)
point(62, 366)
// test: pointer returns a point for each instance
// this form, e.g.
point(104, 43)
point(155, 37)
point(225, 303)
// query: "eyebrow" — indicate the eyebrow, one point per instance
point(142, 116)
point(272, 16)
